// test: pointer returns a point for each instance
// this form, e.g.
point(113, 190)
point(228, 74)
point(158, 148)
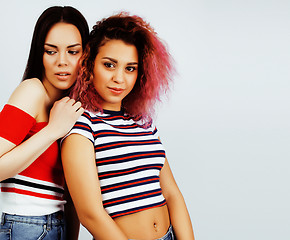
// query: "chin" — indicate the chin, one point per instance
point(65, 86)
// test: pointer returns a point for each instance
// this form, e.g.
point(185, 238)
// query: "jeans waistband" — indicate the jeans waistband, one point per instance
point(49, 220)
point(168, 234)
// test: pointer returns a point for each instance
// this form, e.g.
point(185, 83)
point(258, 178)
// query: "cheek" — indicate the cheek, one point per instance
point(47, 64)
point(101, 77)
point(45, 61)
point(97, 80)
point(75, 64)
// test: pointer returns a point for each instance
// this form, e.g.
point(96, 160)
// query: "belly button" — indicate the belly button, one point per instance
point(155, 227)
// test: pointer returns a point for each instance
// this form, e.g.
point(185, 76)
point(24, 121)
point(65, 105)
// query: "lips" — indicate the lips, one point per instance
point(62, 76)
point(116, 90)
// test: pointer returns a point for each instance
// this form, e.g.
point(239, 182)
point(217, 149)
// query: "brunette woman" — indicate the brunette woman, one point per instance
point(36, 116)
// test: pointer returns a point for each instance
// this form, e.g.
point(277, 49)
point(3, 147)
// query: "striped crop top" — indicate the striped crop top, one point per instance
point(129, 158)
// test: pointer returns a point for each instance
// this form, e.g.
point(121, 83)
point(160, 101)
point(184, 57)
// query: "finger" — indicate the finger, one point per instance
point(71, 101)
point(77, 105)
point(64, 99)
point(80, 111)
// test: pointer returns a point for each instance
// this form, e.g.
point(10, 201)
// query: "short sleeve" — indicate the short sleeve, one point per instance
point(83, 127)
point(154, 130)
point(15, 124)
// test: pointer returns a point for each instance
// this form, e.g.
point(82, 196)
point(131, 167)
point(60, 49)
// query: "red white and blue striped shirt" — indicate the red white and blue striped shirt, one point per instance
point(39, 189)
point(129, 158)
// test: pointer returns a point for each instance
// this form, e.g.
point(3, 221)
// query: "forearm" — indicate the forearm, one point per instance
point(180, 218)
point(20, 157)
point(102, 226)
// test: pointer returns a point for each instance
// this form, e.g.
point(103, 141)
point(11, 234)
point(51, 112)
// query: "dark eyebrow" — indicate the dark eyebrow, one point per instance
point(74, 45)
point(115, 61)
point(133, 63)
point(111, 59)
point(70, 46)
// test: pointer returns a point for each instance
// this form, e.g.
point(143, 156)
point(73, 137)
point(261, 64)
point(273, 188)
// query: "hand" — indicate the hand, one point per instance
point(63, 116)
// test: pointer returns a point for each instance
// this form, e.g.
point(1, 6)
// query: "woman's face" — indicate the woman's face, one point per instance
point(62, 51)
point(115, 72)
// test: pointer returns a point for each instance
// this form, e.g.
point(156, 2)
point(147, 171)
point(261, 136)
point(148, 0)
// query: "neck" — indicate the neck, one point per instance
point(53, 94)
point(112, 107)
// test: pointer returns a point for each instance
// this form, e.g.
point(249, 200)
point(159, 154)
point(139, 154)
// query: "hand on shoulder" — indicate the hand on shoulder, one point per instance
point(63, 115)
point(28, 96)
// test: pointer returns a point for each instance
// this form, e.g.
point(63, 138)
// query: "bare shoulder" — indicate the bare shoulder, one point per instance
point(29, 96)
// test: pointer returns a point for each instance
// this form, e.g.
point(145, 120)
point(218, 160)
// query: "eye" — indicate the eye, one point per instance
point(109, 65)
point(50, 52)
point(131, 68)
point(73, 52)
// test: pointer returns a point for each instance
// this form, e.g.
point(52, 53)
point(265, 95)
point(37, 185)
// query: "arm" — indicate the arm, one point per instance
point(179, 215)
point(78, 158)
point(71, 218)
point(30, 97)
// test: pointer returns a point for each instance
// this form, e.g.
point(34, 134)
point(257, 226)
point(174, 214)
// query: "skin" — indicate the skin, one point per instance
point(62, 51)
point(115, 73)
point(113, 70)
point(41, 101)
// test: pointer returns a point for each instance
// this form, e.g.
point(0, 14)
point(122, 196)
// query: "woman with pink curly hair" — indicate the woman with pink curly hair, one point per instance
point(114, 163)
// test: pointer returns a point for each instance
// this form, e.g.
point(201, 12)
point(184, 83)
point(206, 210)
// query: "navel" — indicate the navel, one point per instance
point(155, 227)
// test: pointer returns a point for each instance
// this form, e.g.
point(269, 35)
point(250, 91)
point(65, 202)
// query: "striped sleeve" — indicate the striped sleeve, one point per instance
point(154, 130)
point(15, 124)
point(83, 127)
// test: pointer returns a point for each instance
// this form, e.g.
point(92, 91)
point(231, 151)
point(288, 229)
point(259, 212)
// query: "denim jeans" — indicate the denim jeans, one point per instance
point(168, 236)
point(47, 227)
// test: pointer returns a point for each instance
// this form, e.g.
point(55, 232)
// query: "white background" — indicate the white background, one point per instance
point(226, 125)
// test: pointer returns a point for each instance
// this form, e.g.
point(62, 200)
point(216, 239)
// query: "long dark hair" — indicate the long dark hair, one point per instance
point(51, 16)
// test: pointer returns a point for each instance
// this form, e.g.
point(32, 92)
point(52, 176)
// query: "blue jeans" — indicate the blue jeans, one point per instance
point(168, 236)
point(47, 227)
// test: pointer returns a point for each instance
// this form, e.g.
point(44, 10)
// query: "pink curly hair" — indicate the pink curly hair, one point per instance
point(155, 68)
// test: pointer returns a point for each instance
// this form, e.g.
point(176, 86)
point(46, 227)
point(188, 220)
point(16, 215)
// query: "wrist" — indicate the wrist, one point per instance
point(51, 133)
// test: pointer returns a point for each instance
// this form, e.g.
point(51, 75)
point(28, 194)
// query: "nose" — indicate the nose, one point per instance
point(62, 59)
point(118, 76)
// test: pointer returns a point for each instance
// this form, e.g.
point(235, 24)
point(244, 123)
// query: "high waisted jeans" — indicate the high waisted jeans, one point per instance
point(168, 236)
point(47, 227)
